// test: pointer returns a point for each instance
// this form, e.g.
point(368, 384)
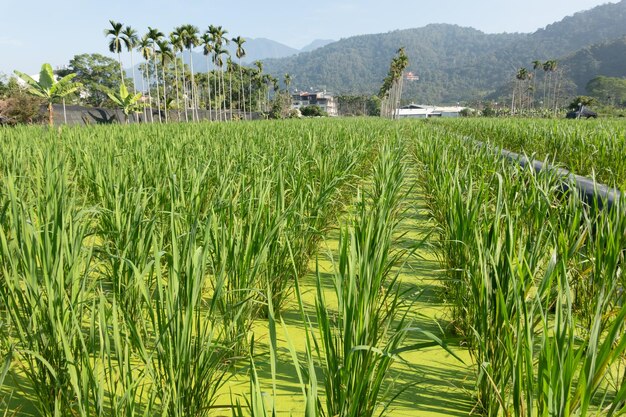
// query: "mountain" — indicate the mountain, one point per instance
point(453, 63)
point(258, 49)
point(317, 43)
point(262, 48)
point(606, 59)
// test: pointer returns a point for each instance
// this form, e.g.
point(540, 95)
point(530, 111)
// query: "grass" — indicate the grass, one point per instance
point(141, 266)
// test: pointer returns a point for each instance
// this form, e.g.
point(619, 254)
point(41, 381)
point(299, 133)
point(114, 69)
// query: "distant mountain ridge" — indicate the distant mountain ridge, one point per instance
point(257, 49)
point(454, 63)
point(260, 49)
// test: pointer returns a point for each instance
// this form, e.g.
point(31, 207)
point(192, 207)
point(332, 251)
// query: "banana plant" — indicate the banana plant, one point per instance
point(129, 103)
point(48, 87)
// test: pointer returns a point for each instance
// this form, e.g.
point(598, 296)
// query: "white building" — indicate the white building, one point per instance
point(323, 100)
point(424, 111)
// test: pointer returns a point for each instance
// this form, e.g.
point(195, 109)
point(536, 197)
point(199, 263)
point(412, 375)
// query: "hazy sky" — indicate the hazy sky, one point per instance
point(34, 31)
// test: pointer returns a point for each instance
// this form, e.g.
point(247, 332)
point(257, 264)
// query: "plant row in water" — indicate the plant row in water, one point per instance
point(534, 278)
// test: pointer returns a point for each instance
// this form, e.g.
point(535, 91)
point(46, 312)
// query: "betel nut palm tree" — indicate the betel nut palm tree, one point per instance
point(115, 44)
point(48, 87)
point(240, 52)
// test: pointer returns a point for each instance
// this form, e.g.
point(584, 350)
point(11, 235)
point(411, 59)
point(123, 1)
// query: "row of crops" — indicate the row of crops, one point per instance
point(590, 148)
point(535, 277)
point(141, 268)
point(135, 263)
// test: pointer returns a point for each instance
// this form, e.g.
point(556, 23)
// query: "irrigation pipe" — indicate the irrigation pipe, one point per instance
point(590, 191)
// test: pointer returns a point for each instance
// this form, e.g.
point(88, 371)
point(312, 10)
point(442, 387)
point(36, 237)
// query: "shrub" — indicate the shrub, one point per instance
point(313, 111)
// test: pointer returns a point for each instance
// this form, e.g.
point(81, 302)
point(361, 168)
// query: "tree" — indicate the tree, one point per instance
point(536, 65)
point(94, 72)
point(189, 36)
point(240, 52)
point(177, 46)
point(313, 111)
point(391, 91)
point(48, 88)
point(218, 34)
point(207, 49)
point(3, 86)
point(582, 101)
point(145, 49)
point(17, 106)
point(154, 35)
point(129, 103)
point(521, 76)
point(610, 90)
point(219, 63)
point(166, 55)
point(115, 45)
point(131, 39)
point(550, 67)
point(258, 77)
point(287, 81)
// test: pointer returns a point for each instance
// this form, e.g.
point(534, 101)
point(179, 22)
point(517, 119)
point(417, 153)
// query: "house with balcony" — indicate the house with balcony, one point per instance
point(323, 100)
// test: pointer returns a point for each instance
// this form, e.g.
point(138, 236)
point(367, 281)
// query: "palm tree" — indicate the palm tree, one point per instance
point(258, 77)
point(155, 36)
point(218, 33)
point(554, 66)
point(144, 46)
point(48, 88)
point(522, 75)
point(115, 45)
point(549, 67)
point(536, 65)
point(130, 39)
point(177, 46)
point(287, 81)
point(219, 62)
point(240, 53)
point(391, 90)
point(207, 48)
point(229, 68)
point(189, 35)
point(166, 55)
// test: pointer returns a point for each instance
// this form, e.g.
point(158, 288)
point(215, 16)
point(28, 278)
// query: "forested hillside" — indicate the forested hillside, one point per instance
point(607, 59)
point(452, 62)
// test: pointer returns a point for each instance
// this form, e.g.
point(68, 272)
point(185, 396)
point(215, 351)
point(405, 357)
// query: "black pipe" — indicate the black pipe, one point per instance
point(589, 190)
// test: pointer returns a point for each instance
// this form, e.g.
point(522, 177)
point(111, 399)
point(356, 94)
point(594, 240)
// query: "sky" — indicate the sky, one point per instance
point(33, 32)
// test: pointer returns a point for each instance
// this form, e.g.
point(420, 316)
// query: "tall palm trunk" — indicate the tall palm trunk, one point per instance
point(177, 89)
point(230, 89)
point(143, 88)
point(119, 59)
point(242, 94)
point(185, 92)
point(186, 98)
point(218, 96)
point(156, 78)
point(164, 92)
point(132, 67)
point(223, 92)
point(250, 95)
point(194, 112)
point(557, 86)
point(149, 91)
point(208, 86)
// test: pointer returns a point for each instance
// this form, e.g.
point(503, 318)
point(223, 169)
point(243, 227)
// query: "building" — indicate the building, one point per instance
point(422, 111)
point(323, 100)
